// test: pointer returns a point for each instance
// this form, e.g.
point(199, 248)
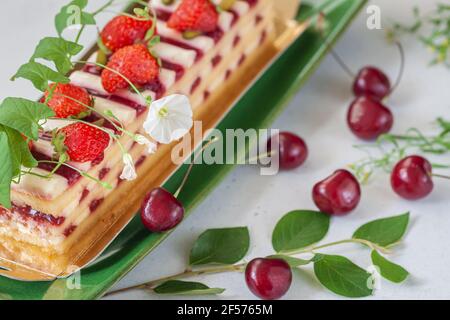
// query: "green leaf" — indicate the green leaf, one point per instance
point(221, 246)
point(23, 115)
point(341, 276)
point(292, 261)
point(186, 288)
point(384, 231)
point(389, 270)
point(57, 50)
point(39, 75)
point(299, 229)
point(73, 15)
point(19, 150)
point(6, 171)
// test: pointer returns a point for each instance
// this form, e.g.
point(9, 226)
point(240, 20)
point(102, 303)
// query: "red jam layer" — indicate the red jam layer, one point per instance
point(140, 109)
point(71, 175)
point(26, 212)
point(69, 230)
point(178, 69)
point(102, 174)
point(95, 204)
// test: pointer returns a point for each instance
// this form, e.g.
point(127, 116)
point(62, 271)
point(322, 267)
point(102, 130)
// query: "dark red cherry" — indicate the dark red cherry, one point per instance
point(412, 178)
point(293, 150)
point(161, 211)
point(372, 81)
point(338, 194)
point(369, 118)
point(268, 279)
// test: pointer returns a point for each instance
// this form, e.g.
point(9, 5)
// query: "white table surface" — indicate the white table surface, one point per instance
point(317, 113)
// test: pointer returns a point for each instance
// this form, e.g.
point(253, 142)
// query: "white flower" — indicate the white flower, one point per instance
point(169, 118)
point(143, 141)
point(129, 172)
point(52, 124)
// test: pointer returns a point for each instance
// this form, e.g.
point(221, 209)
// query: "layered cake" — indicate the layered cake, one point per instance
point(49, 216)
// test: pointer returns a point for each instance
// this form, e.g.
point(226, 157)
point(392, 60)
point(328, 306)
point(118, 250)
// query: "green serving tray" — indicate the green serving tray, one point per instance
point(257, 109)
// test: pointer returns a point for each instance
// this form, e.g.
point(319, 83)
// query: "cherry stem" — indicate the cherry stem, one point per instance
point(191, 166)
point(321, 27)
point(441, 176)
point(402, 67)
point(241, 267)
point(367, 243)
point(185, 274)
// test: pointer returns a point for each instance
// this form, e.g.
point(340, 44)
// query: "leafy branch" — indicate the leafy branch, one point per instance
point(391, 148)
point(437, 36)
point(296, 234)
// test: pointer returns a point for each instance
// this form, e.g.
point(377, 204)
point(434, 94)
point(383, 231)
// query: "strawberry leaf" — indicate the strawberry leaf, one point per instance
point(57, 50)
point(73, 15)
point(24, 115)
point(39, 75)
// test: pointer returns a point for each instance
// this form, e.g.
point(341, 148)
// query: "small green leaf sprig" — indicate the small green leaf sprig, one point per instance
point(294, 240)
point(22, 119)
point(437, 39)
point(391, 148)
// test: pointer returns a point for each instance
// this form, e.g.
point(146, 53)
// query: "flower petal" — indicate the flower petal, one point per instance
point(169, 119)
point(129, 172)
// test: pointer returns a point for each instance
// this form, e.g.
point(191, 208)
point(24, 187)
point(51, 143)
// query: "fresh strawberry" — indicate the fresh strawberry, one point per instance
point(194, 15)
point(123, 31)
point(133, 62)
point(81, 142)
point(66, 107)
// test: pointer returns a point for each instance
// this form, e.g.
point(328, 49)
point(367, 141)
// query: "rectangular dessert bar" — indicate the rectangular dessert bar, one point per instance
point(49, 216)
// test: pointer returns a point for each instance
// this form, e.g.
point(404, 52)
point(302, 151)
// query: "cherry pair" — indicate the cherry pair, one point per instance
point(367, 117)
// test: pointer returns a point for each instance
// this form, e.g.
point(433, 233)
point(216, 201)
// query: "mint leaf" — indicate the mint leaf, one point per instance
point(384, 231)
point(299, 229)
point(221, 246)
point(291, 261)
point(389, 270)
point(23, 115)
point(6, 170)
point(73, 15)
point(57, 50)
point(39, 75)
point(186, 288)
point(341, 276)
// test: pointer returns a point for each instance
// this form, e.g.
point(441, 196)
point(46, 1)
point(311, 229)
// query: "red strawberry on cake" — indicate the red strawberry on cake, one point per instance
point(81, 142)
point(134, 63)
point(124, 31)
point(68, 100)
point(194, 15)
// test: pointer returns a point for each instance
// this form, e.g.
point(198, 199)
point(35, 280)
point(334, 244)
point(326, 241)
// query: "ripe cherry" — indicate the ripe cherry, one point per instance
point(369, 118)
point(161, 211)
point(372, 81)
point(338, 194)
point(268, 279)
point(412, 178)
point(292, 150)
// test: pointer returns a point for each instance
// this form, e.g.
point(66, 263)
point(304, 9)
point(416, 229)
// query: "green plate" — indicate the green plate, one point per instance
point(257, 109)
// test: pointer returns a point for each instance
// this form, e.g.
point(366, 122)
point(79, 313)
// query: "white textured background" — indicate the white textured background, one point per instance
point(317, 113)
